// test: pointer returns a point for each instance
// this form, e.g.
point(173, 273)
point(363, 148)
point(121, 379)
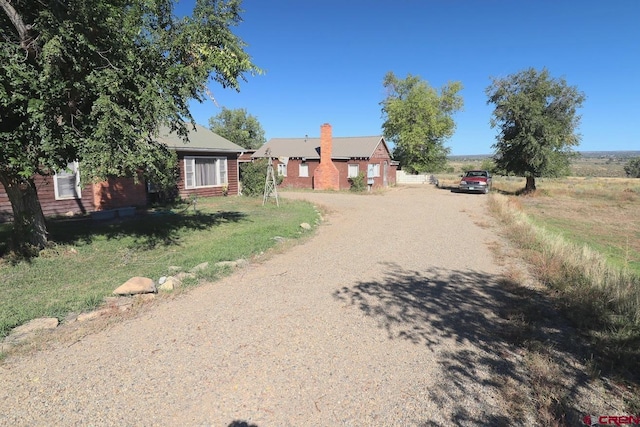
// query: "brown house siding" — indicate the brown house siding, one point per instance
point(47, 197)
point(6, 212)
point(111, 194)
point(119, 192)
point(232, 176)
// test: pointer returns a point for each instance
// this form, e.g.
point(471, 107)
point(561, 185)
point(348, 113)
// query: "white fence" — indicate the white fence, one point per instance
point(424, 178)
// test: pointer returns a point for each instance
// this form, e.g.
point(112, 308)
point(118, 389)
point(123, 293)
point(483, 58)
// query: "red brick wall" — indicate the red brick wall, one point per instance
point(326, 175)
point(232, 176)
point(293, 180)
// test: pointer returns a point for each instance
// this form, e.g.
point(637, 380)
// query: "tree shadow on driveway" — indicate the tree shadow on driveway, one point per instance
point(477, 324)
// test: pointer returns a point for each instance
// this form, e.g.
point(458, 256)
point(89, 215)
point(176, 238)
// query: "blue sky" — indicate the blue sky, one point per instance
point(324, 62)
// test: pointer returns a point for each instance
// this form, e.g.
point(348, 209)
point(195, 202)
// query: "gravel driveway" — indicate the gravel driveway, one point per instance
point(388, 317)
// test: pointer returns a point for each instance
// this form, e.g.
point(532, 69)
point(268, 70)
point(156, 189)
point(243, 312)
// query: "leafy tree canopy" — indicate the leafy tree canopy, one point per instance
point(418, 121)
point(632, 168)
point(92, 80)
point(238, 127)
point(536, 117)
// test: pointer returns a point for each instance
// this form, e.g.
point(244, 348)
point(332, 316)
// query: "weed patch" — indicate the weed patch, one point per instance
point(600, 299)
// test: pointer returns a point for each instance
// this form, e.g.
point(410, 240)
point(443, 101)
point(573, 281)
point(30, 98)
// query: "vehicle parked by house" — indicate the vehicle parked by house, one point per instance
point(476, 181)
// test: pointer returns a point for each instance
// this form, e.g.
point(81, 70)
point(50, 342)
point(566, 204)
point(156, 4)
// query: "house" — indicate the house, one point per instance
point(329, 163)
point(208, 163)
point(208, 167)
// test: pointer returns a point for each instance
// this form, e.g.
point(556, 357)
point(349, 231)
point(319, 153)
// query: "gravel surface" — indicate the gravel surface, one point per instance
point(387, 317)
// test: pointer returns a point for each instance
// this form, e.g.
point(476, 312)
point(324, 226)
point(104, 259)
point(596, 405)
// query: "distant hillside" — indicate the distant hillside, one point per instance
point(588, 164)
point(583, 154)
point(609, 154)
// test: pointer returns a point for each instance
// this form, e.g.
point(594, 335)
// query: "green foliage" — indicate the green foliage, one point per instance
point(418, 120)
point(488, 165)
point(253, 176)
point(632, 168)
point(536, 117)
point(92, 80)
point(467, 167)
point(358, 183)
point(238, 127)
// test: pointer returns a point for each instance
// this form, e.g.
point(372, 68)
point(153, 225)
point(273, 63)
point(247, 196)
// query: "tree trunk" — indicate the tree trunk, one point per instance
point(29, 227)
point(531, 184)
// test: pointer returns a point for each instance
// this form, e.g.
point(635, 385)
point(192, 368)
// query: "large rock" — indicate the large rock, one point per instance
point(200, 267)
point(30, 329)
point(170, 284)
point(136, 285)
point(84, 317)
point(184, 275)
point(225, 264)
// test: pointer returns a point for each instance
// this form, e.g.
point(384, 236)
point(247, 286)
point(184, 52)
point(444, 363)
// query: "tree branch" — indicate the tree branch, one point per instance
point(26, 41)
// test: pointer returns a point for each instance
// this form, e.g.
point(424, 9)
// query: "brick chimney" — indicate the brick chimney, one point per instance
point(326, 175)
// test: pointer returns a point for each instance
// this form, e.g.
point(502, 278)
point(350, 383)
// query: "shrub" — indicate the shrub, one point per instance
point(467, 167)
point(632, 168)
point(358, 183)
point(253, 176)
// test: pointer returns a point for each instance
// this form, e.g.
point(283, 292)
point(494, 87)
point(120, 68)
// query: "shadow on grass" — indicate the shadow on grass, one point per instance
point(496, 317)
point(148, 231)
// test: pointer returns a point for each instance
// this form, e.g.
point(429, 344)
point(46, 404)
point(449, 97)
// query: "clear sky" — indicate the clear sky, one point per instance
point(325, 60)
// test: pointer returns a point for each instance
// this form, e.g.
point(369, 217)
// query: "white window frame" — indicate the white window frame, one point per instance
point(220, 172)
point(65, 174)
point(282, 169)
point(373, 170)
point(303, 170)
point(351, 168)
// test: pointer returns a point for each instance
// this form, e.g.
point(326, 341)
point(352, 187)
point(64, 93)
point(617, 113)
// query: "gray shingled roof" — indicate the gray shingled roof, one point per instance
point(200, 139)
point(346, 147)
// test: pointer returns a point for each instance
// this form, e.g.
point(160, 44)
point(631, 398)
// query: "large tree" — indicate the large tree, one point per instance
point(536, 116)
point(92, 81)
point(418, 121)
point(239, 127)
point(632, 168)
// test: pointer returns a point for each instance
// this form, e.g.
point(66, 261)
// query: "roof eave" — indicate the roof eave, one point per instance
point(217, 150)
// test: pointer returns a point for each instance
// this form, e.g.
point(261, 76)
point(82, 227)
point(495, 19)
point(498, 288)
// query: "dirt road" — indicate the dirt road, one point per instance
point(388, 317)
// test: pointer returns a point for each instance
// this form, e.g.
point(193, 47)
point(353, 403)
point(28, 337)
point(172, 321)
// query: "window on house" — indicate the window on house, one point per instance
point(282, 169)
point(303, 170)
point(205, 171)
point(352, 171)
point(66, 183)
point(373, 170)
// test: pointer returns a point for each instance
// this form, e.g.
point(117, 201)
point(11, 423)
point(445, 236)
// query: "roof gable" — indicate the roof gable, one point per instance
point(200, 139)
point(345, 147)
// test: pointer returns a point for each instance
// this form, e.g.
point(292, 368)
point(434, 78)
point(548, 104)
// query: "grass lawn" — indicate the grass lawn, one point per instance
point(89, 259)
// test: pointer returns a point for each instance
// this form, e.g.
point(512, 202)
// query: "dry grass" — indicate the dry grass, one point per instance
point(600, 298)
point(599, 213)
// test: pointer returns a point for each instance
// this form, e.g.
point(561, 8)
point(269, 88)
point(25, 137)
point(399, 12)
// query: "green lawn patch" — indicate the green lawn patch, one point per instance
point(88, 260)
